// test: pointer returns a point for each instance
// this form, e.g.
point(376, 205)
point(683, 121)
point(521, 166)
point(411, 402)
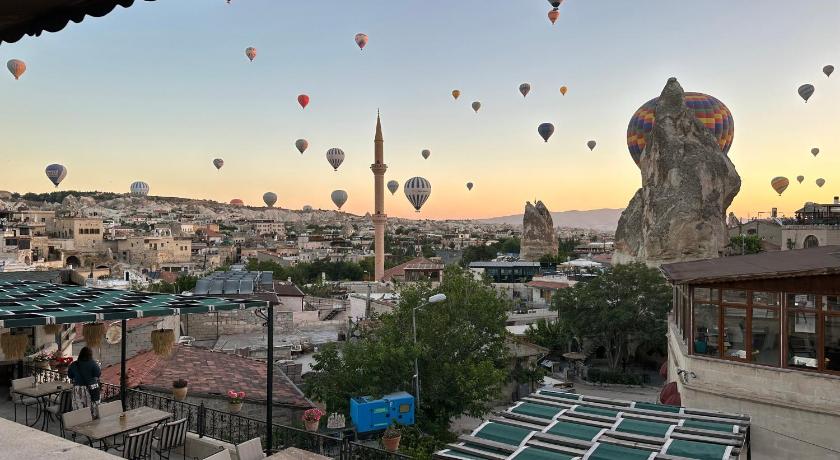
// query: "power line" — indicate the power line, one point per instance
point(794, 437)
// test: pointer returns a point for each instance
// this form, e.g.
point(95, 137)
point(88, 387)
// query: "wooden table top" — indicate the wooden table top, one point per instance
point(293, 453)
point(44, 389)
point(113, 425)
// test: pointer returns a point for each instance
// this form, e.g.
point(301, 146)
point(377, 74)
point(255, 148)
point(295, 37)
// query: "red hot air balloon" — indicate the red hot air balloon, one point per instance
point(303, 100)
point(361, 40)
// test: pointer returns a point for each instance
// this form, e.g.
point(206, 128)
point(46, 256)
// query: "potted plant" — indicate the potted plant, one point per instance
point(179, 389)
point(311, 418)
point(235, 401)
point(59, 362)
point(391, 438)
point(41, 360)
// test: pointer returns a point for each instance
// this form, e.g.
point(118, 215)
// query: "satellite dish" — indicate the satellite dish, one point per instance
point(114, 334)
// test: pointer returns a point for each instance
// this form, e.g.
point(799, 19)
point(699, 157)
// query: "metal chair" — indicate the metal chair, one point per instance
point(63, 405)
point(111, 408)
point(250, 450)
point(73, 418)
point(138, 446)
point(172, 435)
point(20, 400)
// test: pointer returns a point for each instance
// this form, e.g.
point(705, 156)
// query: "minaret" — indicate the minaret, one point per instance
point(379, 217)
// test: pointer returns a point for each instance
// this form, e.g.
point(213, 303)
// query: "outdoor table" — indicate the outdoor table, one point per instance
point(293, 453)
point(42, 392)
point(113, 425)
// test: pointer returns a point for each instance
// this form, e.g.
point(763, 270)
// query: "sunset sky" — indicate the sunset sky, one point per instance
point(156, 91)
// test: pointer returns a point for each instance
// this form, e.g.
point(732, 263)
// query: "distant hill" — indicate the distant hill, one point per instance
point(596, 219)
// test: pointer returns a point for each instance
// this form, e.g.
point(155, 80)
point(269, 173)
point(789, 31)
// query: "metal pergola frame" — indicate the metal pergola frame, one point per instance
point(35, 303)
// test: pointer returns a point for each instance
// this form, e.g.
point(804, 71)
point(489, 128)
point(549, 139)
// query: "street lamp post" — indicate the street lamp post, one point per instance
point(433, 299)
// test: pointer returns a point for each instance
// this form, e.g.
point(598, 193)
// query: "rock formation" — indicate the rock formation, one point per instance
point(687, 185)
point(538, 238)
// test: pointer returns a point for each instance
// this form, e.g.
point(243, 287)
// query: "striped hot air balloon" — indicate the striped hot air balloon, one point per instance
point(56, 173)
point(339, 197)
point(779, 184)
point(269, 198)
point(417, 190)
point(139, 188)
point(393, 186)
point(711, 112)
point(335, 156)
point(525, 88)
point(16, 67)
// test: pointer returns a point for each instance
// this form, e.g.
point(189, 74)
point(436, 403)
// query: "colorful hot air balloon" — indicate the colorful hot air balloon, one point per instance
point(339, 197)
point(417, 190)
point(303, 100)
point(828, 70)
point(525, 88)
point(553, 15)
point(218, 163)
point(56, 173)
point(469, 185)
point(251, 52)
point(563, 90)
point(779, 184)
point(301, 145)
point(476, 105)
point(815, 151)
point(806, 91)
point(425, 154)
point(16, 67)
point(591, 145)
point(456, 93)
point(335, 156)
point(139, 188)
point(545, 130)
point(393, 186)
point(711, 112)
point(269, 198)
point(800, 179)
point(237, 202)
point(361, 40)
point(820, 182)
point(555, 3)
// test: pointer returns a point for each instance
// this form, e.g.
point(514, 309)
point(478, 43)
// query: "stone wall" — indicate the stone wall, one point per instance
point(204, 326)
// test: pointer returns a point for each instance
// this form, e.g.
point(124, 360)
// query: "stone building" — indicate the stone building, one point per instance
point(155, 252)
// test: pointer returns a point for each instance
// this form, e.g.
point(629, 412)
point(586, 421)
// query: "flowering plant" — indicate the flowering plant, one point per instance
point(313, 415)
point(235, 397)
point(41, 356)
point(57, 359)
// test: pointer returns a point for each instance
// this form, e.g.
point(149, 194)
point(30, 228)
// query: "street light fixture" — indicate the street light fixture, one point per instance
point(437, 298)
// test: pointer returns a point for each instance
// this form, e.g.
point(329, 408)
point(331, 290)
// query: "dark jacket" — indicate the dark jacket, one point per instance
point(84, 373)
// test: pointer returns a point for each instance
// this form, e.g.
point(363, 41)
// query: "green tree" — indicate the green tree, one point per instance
point(460, 348)
point(509, 246)
point(549, 334)
point(745, 244)
point(629, 302)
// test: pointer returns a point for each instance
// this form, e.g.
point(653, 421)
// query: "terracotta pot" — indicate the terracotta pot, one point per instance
point(391, 444)
point(311, 426)
point(234, 408)
point(179, 394)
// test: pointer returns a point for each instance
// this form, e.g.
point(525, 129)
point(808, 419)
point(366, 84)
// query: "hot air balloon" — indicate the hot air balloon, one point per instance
point(301, 145)
point(307, 208)
point(545, 130)
point(303, 100)
point(339, 197)
point(335, 156)
point(16, 67)
point(476, 105)
point(218, 163)
point(361, 40)
point(553, 15)
point(139, 188)
point(714, 115)
point(555, 3)
point(815, 151)
point(56, 173)
point(806, 91)
point(820, 182)
point(800, 179)
point(779, 184)
point(393, 186)
point(251, 52)
point(469, 185)
point(828, 70)
point(417, 190)
point(563, 90)
point(456, 93)
point(591, 145)
point(425, 154)
point(525, 88)
point(269, 198)
point(237, 202)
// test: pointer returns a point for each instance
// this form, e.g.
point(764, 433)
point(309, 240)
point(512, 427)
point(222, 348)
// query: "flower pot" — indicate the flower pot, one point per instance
point(234, 408)
point(41, 365)
point(391, 444)
point(179, 394)
point(311, 426)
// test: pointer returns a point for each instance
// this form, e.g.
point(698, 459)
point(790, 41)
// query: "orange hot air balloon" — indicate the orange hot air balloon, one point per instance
point(563, 90)
point(303, 100)
point(779, 184)
point(553, 15)
point(16, 67)
point(456, 93)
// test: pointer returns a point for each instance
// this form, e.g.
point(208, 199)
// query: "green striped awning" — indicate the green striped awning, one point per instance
point(536, 410)
point(643, 427)
point(33, 303)
point(697, 450)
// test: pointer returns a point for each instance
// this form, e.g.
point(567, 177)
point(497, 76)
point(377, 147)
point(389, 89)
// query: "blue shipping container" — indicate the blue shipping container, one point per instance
point(370, 414)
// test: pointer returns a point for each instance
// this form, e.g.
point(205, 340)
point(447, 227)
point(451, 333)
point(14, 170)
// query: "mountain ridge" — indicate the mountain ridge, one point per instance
point(604, 219)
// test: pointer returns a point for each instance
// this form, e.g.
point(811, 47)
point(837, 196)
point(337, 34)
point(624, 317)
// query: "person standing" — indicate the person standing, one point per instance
point(84, 373)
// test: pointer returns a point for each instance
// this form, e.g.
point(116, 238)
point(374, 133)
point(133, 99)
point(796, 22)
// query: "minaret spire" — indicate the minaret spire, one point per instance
point(379, 217)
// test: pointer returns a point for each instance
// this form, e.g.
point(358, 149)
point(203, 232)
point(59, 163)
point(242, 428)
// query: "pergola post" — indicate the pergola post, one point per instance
point(122, 362)
point(269, 386)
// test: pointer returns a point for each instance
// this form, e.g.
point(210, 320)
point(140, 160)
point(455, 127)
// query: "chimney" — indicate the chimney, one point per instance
point(774, 212)
point(837, 200)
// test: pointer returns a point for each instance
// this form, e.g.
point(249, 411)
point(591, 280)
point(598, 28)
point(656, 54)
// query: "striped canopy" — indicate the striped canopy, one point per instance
point(33, 303)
